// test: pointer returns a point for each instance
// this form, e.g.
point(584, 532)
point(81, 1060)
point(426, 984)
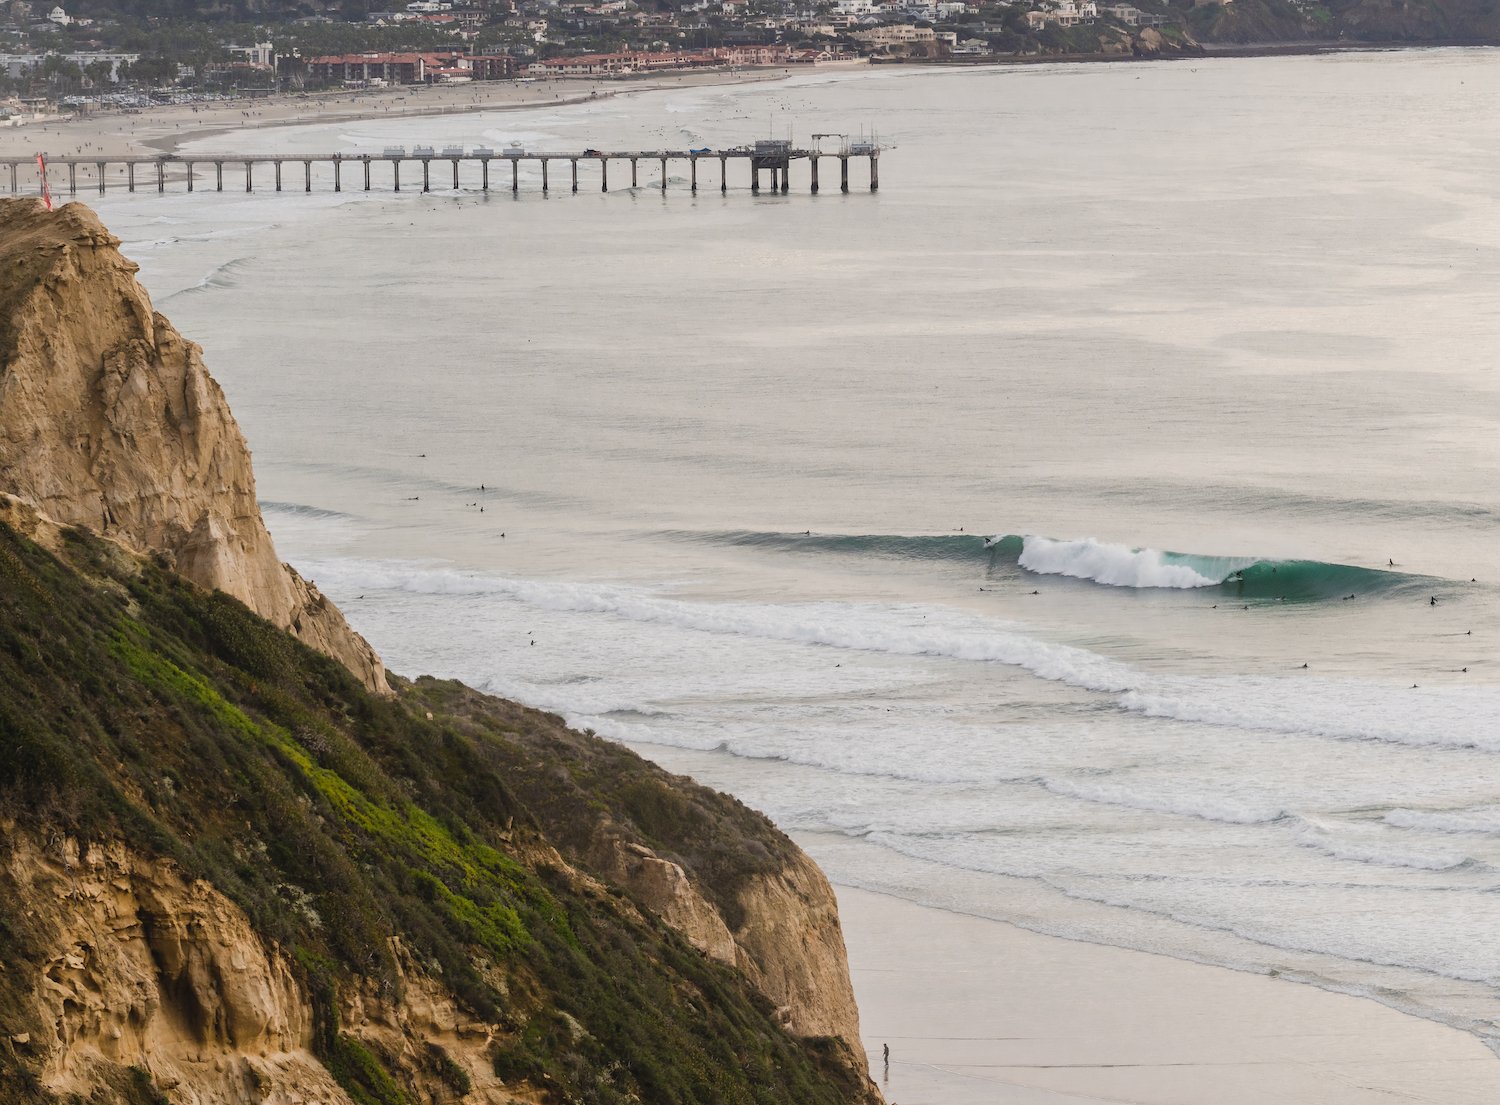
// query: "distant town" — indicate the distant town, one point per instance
point(126, 53)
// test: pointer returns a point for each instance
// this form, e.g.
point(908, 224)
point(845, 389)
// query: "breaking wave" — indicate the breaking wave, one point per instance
point(1106, 563)
point(1440, 717)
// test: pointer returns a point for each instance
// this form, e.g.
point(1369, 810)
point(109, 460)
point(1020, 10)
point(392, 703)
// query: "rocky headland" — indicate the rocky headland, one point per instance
point(241, 863)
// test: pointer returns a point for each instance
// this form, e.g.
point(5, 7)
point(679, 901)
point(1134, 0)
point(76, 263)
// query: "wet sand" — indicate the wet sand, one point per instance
point(977, 1012)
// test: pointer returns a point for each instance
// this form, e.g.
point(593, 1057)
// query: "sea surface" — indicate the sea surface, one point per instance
point(1096, 529)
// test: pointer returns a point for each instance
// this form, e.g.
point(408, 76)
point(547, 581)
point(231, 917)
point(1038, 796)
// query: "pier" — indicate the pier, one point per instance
point(383, 171)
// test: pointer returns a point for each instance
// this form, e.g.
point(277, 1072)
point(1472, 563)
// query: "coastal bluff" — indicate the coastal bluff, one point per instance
point(109, 419)
point(240, 863)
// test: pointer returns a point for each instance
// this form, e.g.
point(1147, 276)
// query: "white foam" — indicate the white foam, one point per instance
point(1208, 808)
point(1371, 849)
point(1112, 565)
point(1435, 717)
point(1440, 717)
point(1479, 819)
point(896, 629)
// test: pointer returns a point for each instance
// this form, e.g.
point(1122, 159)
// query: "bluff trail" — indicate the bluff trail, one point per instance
point(242, 863)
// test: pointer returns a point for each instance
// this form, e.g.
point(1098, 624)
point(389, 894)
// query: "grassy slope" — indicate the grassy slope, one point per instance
point(133, 705)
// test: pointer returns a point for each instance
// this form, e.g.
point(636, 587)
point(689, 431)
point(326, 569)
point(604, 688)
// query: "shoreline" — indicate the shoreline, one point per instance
point(155, 132)
point(1067, 1022)
point(1205, 52)
point(159, 131)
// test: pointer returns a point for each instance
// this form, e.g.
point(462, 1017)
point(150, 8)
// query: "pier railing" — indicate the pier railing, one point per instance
point(206, 172)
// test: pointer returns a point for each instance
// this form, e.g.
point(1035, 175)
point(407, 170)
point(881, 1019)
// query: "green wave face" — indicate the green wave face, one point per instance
point(1122, 566)
point(1314, 580)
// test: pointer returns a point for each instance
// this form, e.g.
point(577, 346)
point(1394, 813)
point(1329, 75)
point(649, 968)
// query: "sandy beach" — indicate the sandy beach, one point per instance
point(161, 130)
point(977, 1012)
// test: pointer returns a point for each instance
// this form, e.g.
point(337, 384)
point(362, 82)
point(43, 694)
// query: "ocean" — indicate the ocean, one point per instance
point(1094, 530)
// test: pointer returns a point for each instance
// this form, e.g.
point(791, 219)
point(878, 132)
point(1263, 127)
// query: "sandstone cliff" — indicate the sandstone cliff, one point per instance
point(229, 873)
point(737, 888)
point(145, 971)
point(108, 419)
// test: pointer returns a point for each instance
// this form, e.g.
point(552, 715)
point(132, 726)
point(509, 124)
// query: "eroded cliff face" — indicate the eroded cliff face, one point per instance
point(787, 939)
point(108, 419)
point(147, 972)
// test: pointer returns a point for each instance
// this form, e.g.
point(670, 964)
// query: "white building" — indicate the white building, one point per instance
point(1066, 13)
point(16, 65)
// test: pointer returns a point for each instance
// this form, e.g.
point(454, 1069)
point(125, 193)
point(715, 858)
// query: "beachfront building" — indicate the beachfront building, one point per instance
point(610, 65)
point(641, 61)
point(16, 66)
point(897, 37)
point(492, 67)
point(392, 68)
point(1131, 16)
point(1065, 13)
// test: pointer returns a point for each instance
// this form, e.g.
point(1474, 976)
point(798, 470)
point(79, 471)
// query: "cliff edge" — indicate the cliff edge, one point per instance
point(108, 419)
point(229, 872)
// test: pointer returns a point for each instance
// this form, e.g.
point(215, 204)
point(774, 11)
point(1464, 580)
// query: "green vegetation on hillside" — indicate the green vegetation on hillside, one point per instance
point(136, 706)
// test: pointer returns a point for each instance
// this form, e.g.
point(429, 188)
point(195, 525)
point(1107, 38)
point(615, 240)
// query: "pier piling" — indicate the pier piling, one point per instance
point(776, 156)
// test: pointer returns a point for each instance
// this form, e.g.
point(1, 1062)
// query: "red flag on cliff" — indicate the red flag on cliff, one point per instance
point(41, 168)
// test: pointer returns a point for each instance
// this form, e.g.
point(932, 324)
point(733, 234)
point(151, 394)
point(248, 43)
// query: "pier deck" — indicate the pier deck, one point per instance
point(205, 172)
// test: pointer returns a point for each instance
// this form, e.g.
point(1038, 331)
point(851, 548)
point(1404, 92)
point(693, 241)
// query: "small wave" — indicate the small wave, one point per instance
point(1226, 810)
point(1378, 852)
point(300, 510)
point(1479, 819)
point(220, 276)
